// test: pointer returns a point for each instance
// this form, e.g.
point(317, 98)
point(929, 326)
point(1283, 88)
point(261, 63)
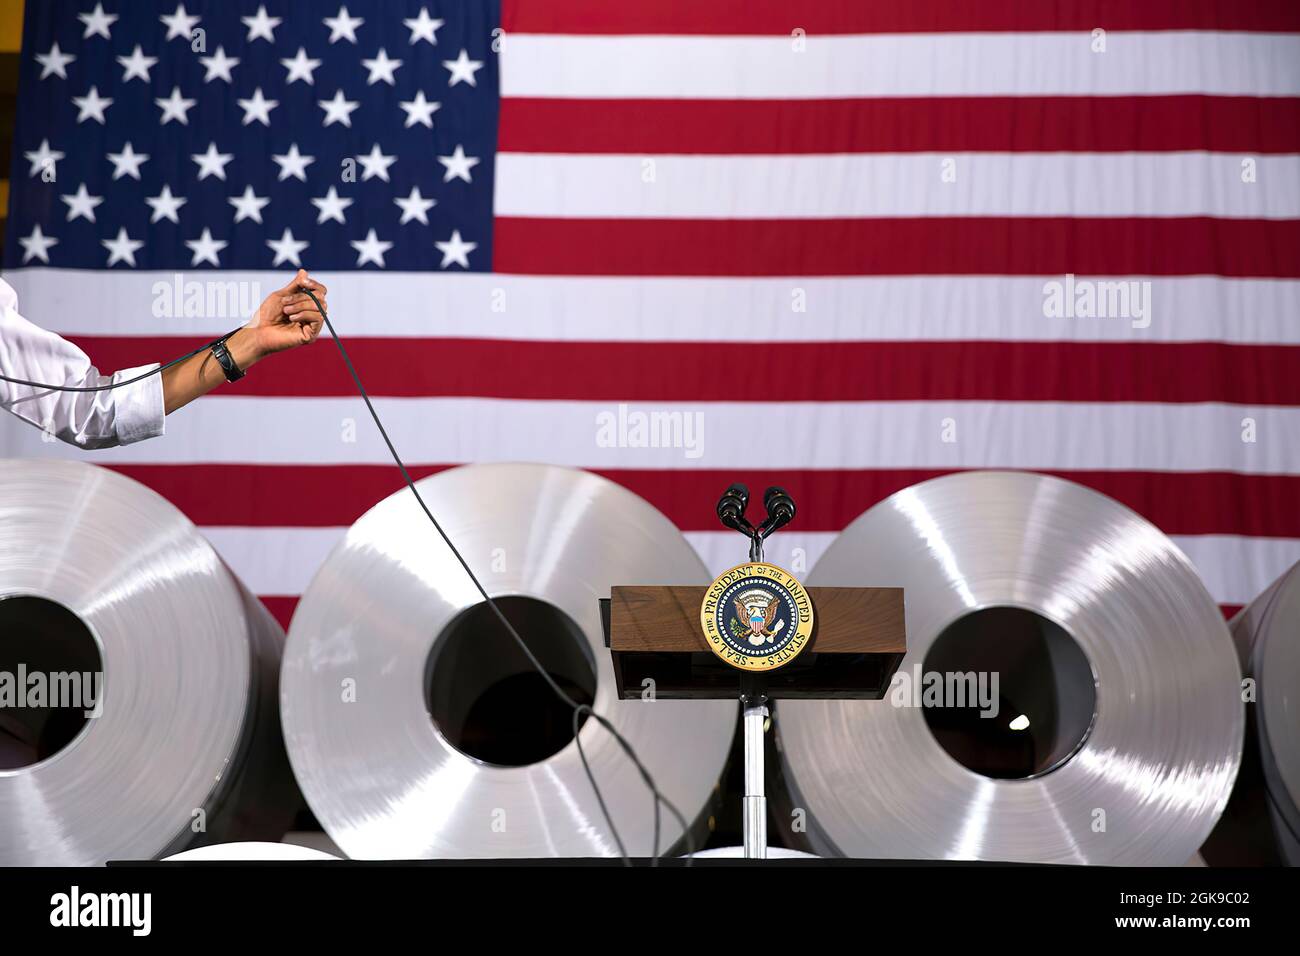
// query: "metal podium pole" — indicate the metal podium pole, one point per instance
point(755, 799)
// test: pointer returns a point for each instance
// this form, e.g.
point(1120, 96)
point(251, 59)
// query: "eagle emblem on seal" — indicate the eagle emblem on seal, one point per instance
point(755, 611)
point(756, 617)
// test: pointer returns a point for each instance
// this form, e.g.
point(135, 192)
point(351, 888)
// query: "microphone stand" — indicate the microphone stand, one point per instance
point(754, 719)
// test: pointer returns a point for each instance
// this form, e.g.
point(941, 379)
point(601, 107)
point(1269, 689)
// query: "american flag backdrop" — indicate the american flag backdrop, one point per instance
point(839, 245)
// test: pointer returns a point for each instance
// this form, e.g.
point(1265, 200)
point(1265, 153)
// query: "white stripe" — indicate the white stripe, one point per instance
point(932, 64)
point(275, 562)
point(796, 551)
point(282, 561)
point(1032, 435)
point(895, 184)
point(559, 308)
point(1236, 570)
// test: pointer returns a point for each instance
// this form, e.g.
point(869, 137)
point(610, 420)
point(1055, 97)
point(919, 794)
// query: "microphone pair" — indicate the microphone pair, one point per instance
point(735, 500)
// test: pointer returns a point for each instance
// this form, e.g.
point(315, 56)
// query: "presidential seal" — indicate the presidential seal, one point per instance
point(757, 617)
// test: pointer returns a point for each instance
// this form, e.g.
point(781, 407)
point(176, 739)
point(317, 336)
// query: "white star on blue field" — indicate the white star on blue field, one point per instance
point(253, 135)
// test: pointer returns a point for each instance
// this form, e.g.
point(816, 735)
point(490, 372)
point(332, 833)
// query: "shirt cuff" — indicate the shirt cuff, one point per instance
point(140, 412)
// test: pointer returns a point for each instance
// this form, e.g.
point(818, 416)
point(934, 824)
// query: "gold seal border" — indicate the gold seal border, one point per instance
point(782, 578)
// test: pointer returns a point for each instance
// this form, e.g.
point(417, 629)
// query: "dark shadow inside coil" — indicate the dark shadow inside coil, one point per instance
point(485, 697)
point(1045, 700)
point(50, 671)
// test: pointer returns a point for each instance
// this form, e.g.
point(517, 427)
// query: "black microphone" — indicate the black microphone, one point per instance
point(780, 510)
point(731, 509)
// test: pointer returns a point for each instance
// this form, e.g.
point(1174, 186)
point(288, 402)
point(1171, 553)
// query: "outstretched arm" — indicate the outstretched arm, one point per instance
point(133, 412)
point(286, 319)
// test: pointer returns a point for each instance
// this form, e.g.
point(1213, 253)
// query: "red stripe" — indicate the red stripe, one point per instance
point(759, 17)
point(789, 372)
point(958, 124)
point(284, 608)
point(281, 607)
point(336, 495)
point(935, 245)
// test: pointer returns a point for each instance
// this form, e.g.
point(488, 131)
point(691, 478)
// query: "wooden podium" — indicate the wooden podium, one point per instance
point(659, 648)
point(654, 634)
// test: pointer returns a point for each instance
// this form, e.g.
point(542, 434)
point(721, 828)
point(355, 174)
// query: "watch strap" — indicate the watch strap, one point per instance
point(227, 362)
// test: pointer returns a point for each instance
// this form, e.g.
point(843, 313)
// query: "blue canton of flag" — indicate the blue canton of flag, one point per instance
point(236, 135)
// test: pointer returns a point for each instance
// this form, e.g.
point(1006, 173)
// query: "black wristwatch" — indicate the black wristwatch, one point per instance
point(227, 362)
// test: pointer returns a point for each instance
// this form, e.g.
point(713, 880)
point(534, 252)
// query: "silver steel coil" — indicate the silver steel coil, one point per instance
point(415, 727)
point(1124, 730)
point(100, 576)
point(251, 852)
point(1262, 823)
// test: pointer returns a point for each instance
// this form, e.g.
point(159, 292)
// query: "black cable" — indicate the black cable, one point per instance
point(578, 708)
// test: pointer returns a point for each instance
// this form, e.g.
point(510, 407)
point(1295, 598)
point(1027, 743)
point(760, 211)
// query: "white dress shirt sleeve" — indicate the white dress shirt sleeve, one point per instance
point(89, 419)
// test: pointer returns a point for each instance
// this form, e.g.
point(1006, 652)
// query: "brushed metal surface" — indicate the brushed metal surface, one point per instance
point(380, 777)
point(1165, 744)
point(1267, 634)
point(188, 657)
point(249, 852)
